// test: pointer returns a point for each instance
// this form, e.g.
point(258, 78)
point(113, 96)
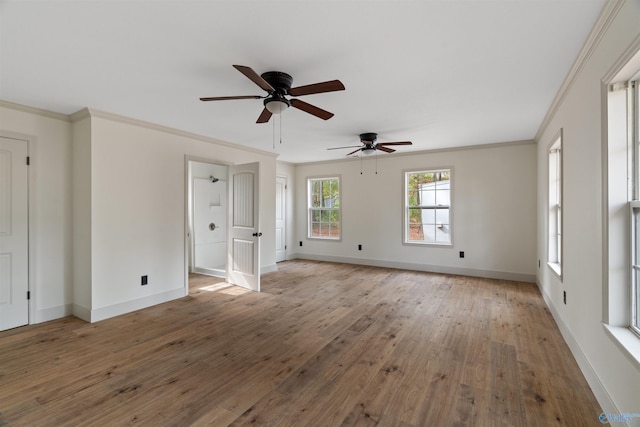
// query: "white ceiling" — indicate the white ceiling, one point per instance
point(439, 73)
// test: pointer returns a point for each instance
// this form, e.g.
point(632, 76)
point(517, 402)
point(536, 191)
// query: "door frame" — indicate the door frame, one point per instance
point(284, 178)
point(187, 231)
point(31, 142)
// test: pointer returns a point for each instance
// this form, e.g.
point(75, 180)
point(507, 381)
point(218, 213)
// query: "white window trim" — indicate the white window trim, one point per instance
point(308, 193)
point(554, 261)
point(617, 293)
point(634, 270)
point(634, 204)
point(405, 217)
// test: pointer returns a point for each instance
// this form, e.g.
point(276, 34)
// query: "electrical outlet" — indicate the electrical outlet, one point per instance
point(300, 242)
point(461, 254)
point(359, 247)
point(144, 280)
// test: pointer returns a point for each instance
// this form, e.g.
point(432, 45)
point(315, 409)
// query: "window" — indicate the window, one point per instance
point(634, 203)
point(621, 195)
point(428, 207)
point(324, 208)
point(554, 226)
point(635, 266)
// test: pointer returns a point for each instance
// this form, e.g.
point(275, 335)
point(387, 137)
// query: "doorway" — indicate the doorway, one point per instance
point(281, 218)
point(208, 207)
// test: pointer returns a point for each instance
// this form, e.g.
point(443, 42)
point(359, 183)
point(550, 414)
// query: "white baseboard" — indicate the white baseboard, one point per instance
point(81, 312)
point(268, 268)
point(599, 391)
point(52, 313)
point(500, 275)
point(137, 304)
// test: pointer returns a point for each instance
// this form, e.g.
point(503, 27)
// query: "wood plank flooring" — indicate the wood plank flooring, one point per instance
point(323, 344)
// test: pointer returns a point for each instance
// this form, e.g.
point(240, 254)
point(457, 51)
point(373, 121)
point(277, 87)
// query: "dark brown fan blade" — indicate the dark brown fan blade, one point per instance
point(254, 77)
point(385, 149)
point(348, 146)
point(330, 86)
point(395, 143)
point(264, 116)
point(359, 149)
point(311, 109)
point(226, 98)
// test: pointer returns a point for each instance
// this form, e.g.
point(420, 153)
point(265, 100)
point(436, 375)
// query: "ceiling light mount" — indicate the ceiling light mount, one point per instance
point(276, 104)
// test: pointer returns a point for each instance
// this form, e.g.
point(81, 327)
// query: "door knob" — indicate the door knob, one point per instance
point(257, 234)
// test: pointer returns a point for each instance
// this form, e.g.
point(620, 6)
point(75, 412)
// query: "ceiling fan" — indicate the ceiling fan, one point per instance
point(278, 85)
point(370, 146)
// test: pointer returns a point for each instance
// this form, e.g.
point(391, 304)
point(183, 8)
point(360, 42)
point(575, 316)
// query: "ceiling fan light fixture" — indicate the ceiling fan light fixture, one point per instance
point(276, 106)
point(368, 150)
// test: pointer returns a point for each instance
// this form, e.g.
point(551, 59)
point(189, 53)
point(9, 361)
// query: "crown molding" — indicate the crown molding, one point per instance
point(606, 17)
point(91, 112)
point(36, 111)
point(626, 66)
point(423, 152)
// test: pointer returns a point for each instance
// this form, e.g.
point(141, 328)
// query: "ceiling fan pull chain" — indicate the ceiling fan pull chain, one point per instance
point(376, 163)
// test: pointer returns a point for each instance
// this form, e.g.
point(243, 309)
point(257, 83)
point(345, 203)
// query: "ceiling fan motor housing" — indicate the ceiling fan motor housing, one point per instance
point(280, 81)
point(368, 138)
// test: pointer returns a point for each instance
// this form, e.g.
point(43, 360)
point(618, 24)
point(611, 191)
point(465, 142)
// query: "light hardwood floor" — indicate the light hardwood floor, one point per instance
point(322, 345)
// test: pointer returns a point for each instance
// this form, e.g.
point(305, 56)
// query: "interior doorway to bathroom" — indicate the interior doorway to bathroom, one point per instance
point(207, 213)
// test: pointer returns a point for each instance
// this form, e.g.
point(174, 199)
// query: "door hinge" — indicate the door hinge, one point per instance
point(28, 160)
point(28, 294)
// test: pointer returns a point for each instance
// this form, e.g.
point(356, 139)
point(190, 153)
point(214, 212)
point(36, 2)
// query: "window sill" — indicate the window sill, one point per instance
point(433, 245)
point(556, 268)
point(627, 341)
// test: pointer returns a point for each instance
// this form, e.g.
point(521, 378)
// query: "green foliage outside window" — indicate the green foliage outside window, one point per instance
point(414, 181)
point(324, 208)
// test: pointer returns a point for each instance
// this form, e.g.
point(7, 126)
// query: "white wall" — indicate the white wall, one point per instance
point(50, 234)
point(493, 212)
point(107, 201)
point(138, 209)
point(578, 110)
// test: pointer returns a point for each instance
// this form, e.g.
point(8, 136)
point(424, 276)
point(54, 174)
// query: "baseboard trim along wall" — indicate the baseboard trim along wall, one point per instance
point(500, 275)
point(599, 391)
point(52, 313)
point(128, 306)
point(268, 268)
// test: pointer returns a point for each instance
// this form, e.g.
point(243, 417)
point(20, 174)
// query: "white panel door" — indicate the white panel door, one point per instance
point(14, 258)
point(243, 244)
point(281, 210)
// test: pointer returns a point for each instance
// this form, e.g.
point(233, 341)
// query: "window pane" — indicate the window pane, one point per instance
point(636, 237)
point(324, 212)
point(442, 216)
point(427, 189)
point(443, 197)
point(442, 234)
point(427, 195)
point(636, 299)
point(429, 216)
point(429, 233)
